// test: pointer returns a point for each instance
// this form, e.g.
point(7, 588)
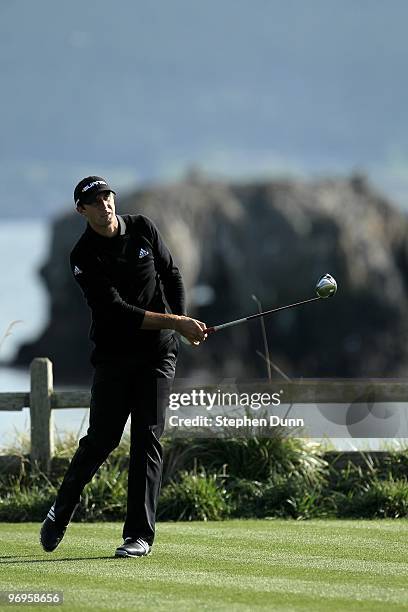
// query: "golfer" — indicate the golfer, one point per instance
point(126, 273)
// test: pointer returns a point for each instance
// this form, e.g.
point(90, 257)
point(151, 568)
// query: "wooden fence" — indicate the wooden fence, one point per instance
point(42, 400)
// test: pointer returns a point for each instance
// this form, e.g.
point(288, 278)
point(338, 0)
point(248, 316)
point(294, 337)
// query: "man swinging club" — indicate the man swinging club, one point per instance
point(125, 272)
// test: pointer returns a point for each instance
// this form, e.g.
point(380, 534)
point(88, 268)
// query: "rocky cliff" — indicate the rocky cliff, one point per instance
point(271, 239)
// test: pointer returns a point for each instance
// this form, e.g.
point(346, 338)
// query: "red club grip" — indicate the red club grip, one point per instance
point(209, 330)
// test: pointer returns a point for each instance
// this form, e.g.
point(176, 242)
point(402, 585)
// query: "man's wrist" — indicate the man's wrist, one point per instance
point(156, 320)
point(175, 321)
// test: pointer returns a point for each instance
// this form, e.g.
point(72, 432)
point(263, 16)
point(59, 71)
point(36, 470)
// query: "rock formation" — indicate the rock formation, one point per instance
point(271, 239)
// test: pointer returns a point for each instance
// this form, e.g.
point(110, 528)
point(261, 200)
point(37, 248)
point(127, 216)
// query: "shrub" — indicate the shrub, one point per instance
point(253, 458)
point(212, 479)
point(352, 477)
point(377, 499)
point(29, 497)
point(194, 497)
point(280, 496)
point(28, 502)
point(246, 498)
point(104, 498)
point(293, 497)
point(395, 464)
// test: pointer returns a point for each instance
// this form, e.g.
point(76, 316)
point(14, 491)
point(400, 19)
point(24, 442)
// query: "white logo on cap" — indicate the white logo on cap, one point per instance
point(93, 184)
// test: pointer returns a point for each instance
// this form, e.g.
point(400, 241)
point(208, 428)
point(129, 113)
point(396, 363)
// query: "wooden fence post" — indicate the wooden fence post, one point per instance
point(42, 430)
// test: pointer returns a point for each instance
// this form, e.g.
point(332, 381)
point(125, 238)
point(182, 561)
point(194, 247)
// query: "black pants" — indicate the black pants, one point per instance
point(120, 390)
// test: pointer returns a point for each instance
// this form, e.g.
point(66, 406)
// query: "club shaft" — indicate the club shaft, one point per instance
point(263, 314)
point(257, 315)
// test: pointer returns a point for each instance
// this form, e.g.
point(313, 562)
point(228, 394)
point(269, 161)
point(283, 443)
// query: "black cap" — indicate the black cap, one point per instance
point(87, 189)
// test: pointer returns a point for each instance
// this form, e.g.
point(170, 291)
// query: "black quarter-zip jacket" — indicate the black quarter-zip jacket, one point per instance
point(122, 277)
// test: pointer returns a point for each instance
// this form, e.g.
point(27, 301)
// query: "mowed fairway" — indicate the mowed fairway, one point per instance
point(232, 565)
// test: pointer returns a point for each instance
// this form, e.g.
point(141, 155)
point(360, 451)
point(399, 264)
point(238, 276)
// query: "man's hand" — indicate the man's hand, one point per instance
point(192, 329)
point(186, 326)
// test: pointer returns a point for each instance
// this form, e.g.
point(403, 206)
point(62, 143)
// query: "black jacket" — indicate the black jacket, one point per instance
point(122, 277)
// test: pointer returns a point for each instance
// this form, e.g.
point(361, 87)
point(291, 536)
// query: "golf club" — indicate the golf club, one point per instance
point(326, 287)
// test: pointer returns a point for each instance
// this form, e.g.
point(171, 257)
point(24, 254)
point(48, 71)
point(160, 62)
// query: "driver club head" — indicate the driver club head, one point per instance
point(326, 286)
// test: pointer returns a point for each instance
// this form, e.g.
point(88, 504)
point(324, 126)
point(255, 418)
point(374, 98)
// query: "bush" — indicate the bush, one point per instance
point(395, 465)
point(376, 499)
point(271, 476)
point(213, 479)
point(256, 459)
point(281, 496)
point(246, 498)
point(29, 497)
point(293, 497)
point(105, 497)
point(194, 497)
point(353, 477)
point(28, 502)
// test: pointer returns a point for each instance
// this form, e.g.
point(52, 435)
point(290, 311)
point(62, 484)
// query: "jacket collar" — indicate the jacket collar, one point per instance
point(122, 230)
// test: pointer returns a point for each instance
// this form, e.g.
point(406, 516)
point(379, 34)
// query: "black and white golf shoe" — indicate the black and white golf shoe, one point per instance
point(51, 534)
point(133, 547)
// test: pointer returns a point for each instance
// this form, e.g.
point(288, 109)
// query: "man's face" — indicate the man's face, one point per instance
point(101, 210)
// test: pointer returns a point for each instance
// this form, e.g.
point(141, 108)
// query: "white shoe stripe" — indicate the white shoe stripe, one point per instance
point(143, 543)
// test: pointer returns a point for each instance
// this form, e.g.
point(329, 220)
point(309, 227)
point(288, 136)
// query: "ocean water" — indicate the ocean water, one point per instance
point(24, 246)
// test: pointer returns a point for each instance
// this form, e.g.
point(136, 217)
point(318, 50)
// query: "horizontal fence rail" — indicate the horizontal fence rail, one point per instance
point(70, 399)
point(42, 400)
point(14, 401)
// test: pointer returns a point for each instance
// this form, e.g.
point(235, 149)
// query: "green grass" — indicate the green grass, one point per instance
point(233, 565)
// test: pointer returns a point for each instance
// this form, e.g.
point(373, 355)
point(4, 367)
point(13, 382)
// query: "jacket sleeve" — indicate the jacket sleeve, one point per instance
point(169, 273)
point(101, 295)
